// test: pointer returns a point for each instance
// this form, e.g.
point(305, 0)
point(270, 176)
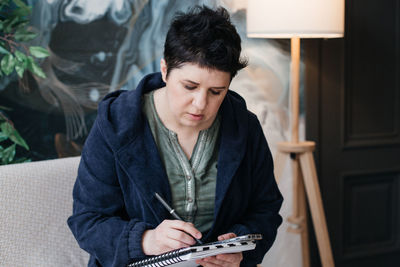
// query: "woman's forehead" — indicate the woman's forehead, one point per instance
point(197, 72)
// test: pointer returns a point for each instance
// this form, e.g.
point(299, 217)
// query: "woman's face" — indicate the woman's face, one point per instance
point(194, 94)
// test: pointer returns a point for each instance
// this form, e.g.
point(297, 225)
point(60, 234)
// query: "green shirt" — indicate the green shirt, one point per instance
point(192, 181)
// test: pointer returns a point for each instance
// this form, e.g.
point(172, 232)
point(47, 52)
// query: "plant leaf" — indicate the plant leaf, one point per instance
point(39, 52)
point(13, 134)
point(21, 30)
point(34, 68)
point(5, 108)
point(6, 128)
point(3, 3)
point(8, 24)
point(21, 25)
point(21, 4)
point(3, 137)
point(19, 68)
point(11, 23)
point(20, 56)
point(7, 64)
point(8, 154)
point(3, 50)
point(24, 36)
point(22, 13)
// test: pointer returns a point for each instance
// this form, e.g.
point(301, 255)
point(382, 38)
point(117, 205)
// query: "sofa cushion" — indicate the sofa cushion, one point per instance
point(35, 202)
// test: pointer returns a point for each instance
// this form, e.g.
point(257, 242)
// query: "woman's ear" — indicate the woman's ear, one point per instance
point(163, 68)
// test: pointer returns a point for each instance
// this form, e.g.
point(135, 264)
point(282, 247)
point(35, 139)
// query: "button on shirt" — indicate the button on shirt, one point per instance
point(192, 181)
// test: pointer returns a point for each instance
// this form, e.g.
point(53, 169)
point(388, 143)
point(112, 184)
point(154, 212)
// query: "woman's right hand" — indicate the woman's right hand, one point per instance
point(169, 235)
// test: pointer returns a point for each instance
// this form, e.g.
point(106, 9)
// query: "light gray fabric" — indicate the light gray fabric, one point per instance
point(35, 202)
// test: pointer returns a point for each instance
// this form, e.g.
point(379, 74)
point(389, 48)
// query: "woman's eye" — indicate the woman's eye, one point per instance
point(215, 92)
point(189, 87)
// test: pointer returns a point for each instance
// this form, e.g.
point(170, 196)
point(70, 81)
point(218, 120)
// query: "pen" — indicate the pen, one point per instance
point(173, 213)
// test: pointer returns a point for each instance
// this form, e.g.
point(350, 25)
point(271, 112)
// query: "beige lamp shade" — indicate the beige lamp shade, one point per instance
point(295, 18)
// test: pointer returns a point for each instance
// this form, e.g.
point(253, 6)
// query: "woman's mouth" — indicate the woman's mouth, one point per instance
point(196, 117)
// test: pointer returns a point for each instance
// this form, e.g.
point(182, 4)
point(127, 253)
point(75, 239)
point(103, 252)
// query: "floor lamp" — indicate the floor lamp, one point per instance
point(297, 19)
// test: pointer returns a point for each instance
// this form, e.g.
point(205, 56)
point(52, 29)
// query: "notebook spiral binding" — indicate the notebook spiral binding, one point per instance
point(164, 259)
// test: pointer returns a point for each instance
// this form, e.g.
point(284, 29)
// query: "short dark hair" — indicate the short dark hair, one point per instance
point(205, 37)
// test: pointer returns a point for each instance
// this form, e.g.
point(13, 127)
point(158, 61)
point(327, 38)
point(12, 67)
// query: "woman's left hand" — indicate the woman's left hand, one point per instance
point(228, 260)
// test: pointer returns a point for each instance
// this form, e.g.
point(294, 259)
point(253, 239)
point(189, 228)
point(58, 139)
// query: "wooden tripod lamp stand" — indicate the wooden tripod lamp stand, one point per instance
point(297, 19)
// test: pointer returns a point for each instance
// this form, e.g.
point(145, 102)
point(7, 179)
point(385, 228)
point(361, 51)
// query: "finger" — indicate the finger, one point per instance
point(167, 237)
point(181, 236)
point(207, 262)
point(213, 261)
point(172, 229)
point(172, 244)
point(186, 227)
point(230, 257)
point(226, 236)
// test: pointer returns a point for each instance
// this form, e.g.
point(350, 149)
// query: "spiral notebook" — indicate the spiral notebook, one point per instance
point(186, 257)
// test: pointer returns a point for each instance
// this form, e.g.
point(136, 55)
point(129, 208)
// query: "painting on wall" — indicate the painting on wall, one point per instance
point(98, 47)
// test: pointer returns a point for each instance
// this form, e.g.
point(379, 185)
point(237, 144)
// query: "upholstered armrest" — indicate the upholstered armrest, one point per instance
point(35, 202)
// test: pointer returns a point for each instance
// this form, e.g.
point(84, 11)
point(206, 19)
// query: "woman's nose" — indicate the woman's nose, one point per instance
point(200, 100)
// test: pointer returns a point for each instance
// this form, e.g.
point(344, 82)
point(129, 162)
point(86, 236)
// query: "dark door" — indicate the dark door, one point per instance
point(353, 113)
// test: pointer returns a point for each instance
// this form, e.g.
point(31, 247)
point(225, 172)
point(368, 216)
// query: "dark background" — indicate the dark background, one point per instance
point(353, 112)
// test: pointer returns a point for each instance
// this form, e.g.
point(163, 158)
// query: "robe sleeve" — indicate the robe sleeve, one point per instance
point(266, 200)
point(99, 221)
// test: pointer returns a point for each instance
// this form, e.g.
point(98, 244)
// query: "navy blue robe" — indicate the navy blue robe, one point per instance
point(120, 170)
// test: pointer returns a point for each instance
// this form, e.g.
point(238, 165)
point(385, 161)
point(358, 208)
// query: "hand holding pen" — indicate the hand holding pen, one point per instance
point(169, 235)
point(173, 213)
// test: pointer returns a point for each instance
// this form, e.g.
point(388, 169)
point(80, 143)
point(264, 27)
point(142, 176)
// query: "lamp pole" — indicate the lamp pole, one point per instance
point(297, 19)
point(295, 84)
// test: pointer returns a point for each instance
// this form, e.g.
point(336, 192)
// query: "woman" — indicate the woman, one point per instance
point(184, 135)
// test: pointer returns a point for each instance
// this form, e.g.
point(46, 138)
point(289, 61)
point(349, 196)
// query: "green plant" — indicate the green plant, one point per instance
point(14, 32)
point(16, 55)
point(10, 137)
